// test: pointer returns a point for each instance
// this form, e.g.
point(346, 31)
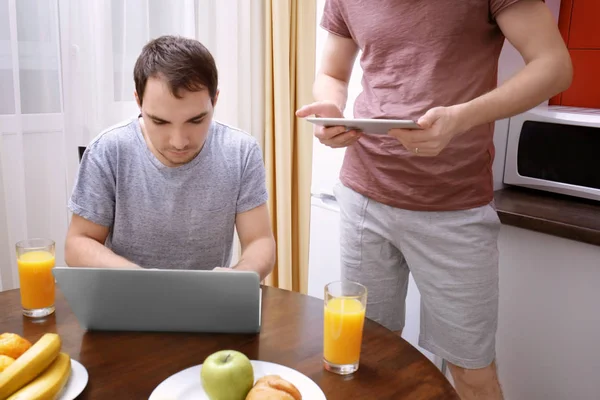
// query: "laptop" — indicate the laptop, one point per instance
point(162, 300)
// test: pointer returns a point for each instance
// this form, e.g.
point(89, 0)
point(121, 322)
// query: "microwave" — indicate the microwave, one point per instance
point(555, 149)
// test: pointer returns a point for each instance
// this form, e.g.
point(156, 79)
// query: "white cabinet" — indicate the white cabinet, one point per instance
point(549, 323)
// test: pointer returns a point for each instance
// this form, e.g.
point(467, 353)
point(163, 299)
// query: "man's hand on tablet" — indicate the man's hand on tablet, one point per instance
point(440, 125)
point(334, 136)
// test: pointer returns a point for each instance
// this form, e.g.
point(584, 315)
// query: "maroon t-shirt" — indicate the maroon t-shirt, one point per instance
point(417, 55)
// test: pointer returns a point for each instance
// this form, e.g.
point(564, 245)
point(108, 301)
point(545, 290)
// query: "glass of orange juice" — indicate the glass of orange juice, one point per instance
point(35, 259)
point(344, 317)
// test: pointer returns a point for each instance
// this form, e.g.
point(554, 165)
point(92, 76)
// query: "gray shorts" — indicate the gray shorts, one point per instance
point(453, 256)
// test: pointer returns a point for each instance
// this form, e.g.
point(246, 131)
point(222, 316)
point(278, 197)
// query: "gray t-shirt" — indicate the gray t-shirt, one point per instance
point(162, 217)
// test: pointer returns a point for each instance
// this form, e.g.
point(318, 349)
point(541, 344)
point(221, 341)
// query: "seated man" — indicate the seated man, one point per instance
point(167, 188)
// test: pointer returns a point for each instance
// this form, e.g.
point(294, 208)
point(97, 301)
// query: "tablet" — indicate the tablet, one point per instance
point(374, 126)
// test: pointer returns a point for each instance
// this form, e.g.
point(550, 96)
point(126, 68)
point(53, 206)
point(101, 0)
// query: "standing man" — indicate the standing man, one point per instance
point(167, 188)
point(422, 200)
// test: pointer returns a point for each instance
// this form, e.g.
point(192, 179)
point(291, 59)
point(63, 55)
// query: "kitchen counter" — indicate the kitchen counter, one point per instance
point(564, 216)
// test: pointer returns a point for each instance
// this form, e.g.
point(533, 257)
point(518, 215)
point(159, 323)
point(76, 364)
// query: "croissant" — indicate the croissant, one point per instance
point(273, 387)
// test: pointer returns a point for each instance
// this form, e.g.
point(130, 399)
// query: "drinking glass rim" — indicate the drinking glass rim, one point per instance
point(22, 243)
point(363, 287)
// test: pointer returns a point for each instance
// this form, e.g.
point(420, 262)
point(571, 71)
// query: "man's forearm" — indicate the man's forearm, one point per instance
point(87, 252)
point(327, 88)
point(258, 256)
point(537, 82)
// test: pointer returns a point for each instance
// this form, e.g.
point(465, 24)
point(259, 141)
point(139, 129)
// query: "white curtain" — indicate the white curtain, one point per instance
point(66, 74)
point(32, 147)
point(102, 39)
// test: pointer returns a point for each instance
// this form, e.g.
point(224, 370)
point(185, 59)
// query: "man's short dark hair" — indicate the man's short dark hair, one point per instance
point(184, 63)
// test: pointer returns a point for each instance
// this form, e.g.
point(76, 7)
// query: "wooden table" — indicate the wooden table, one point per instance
point(129, 365)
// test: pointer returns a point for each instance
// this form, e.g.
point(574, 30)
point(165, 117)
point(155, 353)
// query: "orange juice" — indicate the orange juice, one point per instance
point(36, 279)
point(343, 328)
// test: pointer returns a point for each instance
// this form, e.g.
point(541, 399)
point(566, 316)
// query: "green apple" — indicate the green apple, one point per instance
point(227, 375)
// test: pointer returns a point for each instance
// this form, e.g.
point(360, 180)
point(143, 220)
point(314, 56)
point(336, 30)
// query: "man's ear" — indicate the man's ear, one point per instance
point(137, 99)
point(214, 101)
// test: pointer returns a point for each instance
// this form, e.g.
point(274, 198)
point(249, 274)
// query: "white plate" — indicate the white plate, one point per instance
point(76, 383)
point(376, 126)
point(186, 384)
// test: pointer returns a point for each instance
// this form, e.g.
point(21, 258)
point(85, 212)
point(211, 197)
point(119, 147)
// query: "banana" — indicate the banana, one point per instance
point(49, 384)
point(31, 363)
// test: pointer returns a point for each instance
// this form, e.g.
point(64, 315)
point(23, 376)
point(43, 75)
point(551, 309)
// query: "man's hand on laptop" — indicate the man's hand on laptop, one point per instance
point(222, 269)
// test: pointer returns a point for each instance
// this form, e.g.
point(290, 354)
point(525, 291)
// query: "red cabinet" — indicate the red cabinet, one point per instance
point(579, 23)
point(585, 25)
point(585, 89)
